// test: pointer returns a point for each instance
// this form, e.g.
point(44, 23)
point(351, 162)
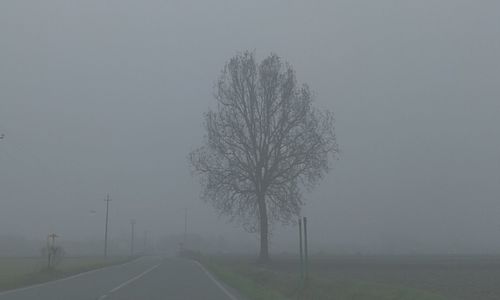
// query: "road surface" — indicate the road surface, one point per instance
point(147, 278)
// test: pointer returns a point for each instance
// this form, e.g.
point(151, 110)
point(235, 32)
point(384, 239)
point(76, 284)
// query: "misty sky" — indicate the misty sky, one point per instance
point(102, 97)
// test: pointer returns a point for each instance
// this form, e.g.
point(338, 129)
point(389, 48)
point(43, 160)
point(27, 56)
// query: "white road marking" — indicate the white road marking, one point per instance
point(231, 296)
point(128, 282)
point(65, 278)
point(132, 279)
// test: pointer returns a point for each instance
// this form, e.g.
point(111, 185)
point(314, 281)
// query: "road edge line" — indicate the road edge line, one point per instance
point(217, 282)
point(65, 278)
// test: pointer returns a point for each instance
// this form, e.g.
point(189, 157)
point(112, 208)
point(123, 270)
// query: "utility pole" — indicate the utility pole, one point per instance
point(107, 200)
point(132, 224)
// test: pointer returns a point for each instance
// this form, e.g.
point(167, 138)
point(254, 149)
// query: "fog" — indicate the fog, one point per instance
point(101, 97)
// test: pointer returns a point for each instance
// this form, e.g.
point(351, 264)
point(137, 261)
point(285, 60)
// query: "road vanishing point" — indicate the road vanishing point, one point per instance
point(146, 278)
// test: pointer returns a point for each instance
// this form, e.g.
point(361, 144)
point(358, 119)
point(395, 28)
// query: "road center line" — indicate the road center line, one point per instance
point(131, 280)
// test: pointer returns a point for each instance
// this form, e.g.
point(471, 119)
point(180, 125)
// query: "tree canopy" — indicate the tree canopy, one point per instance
point(264, 143)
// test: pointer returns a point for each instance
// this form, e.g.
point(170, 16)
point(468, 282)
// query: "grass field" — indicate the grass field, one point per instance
point(22, 271)
point(455, 277)
point(376, 278)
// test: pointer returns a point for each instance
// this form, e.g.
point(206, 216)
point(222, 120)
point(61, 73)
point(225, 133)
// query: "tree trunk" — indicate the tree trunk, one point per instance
point(264, 231)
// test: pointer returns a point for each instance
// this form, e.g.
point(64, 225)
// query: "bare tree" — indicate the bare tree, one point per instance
point(264, 142)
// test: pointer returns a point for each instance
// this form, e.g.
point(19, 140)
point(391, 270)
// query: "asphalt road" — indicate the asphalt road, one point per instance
point(148, 278)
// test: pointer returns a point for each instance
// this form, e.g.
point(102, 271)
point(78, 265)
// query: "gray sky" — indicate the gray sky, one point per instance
point(104, 97)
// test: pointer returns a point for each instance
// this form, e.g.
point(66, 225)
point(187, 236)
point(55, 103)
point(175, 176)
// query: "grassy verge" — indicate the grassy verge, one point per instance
point(19, 272)
point(258, 283)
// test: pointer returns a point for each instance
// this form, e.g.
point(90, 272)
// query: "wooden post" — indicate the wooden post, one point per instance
point(306, 254)
point(301, 253)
